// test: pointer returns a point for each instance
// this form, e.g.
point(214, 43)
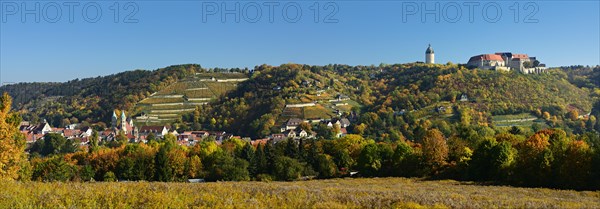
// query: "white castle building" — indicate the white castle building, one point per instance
point(507, 61)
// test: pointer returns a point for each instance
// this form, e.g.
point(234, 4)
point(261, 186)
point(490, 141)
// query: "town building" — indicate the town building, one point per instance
point(158, 131)
point(123, 123)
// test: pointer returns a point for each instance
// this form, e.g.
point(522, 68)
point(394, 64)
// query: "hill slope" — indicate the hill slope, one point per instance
point(91, 99)
point(170, 103)
point(260, 105)
point(417, 86)
point(273, 94)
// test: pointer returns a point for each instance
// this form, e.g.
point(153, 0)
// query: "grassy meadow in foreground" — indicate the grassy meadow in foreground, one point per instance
point(337, 193)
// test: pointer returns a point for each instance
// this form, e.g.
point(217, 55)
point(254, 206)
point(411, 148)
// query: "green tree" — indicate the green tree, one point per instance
point(325, 166)
point(163, 172)
point(87, 173)
point(170, 139)
point(492, 160)
point(386, 153)
point(53, 144)
point(122, 138)
point(369, 160)
point(109, 177)
point(324, 132)
point(259, 162)
point(223, 167)
point(151, 137)
point(291, 149)
point(406, 162)
point(94, 139)
point(288, 169)
point(575, 170)
point(247, 152)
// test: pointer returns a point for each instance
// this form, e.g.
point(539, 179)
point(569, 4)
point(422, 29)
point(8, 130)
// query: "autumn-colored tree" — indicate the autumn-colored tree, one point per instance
point(533, 166)
point(360, 129)
point(353, 143)
point(12, 144)
point(435, 149)
point(54, 168)
point(546, 115)
point(465, 115)
point(177, 160)
point(103, 161)
point(306, 126)
point(233, 145)
point(194, 167)
point(573, 115)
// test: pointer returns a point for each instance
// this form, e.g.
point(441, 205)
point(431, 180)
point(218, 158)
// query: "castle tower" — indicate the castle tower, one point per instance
point(429, 55)
point(113, 122)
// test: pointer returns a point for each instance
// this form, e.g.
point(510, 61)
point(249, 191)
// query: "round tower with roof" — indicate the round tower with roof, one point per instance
point(429, 55)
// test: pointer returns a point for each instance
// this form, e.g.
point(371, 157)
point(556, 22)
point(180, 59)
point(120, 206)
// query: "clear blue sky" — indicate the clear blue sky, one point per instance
point(366, 32)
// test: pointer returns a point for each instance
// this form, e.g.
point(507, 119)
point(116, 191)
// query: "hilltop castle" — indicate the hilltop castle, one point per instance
point(507, 61)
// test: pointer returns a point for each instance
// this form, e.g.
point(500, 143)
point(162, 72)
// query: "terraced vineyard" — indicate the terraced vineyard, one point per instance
point(182, 97)
point(523, 120)
point(326, 107)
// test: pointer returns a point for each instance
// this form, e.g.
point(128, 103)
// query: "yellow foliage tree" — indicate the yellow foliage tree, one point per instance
point(435, 149)
point(12, 143)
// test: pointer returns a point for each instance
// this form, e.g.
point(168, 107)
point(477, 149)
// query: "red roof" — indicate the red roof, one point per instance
point(155, 129)
point(70, 133)
point(487, 57)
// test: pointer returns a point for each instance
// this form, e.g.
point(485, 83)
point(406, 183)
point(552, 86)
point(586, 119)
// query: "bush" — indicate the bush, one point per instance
point(110, 177)
point(264, 177)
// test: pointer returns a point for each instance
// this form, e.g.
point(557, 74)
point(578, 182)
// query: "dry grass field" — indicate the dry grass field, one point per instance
point(336, 193)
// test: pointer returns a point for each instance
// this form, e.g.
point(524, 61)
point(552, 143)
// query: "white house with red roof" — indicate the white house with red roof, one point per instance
point(487, 62)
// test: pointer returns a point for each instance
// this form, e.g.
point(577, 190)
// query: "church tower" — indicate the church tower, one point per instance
point(123, 121)
point(113, 122)
point(429, 55)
